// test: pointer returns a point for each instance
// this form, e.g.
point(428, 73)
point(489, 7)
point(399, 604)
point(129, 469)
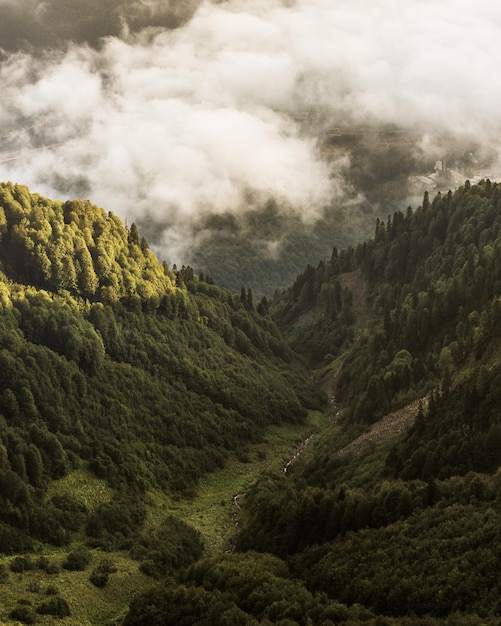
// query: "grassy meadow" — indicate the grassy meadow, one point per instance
point(213, 512)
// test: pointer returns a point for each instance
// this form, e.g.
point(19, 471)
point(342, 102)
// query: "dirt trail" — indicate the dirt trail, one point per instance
point(389, 426)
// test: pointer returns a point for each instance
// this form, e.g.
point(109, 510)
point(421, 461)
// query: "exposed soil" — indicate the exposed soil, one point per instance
point(388, 427)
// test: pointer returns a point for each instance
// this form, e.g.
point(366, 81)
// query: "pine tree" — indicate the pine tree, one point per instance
point(133, 234)
point(426, 201)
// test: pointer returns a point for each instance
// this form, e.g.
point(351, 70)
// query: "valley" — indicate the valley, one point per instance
point(250, 313)
point(213, 512)
point(147, 416)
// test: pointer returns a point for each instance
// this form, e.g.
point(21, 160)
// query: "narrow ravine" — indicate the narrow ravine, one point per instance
point(297, 453)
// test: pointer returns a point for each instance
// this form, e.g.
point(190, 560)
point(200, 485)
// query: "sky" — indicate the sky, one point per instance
point(170, 111)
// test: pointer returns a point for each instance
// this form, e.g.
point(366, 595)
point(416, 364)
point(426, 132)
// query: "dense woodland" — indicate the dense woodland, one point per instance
point(407, 532)
point(412, 528)
point(267, 246)
point(149, 376)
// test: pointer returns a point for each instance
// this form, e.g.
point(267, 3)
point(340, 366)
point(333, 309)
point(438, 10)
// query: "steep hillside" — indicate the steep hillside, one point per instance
point(433, 290)
point(123, 379)
point(405, 529)
point(111, 363)
point(432, 283)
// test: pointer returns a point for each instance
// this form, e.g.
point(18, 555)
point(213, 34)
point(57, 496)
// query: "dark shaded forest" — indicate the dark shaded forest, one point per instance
point(147, 375)
point(406, 532)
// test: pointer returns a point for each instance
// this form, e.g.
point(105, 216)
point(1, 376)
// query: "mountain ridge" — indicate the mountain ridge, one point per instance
point(113, 364)
point(150, 377)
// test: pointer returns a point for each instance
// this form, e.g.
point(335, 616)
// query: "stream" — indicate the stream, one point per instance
point(297, 453)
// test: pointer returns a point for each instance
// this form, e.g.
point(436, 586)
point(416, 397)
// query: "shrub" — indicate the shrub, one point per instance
point(20, 564)
point(49, 567)
point(23, 613)
point(98, 578)
point(171, 546)
point(77, 560)
point(42, 562)
point(100, 574)
point(52, 568)
point(56, 606)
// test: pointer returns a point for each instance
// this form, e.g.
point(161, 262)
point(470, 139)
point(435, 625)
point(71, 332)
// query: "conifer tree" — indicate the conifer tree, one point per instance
point(133, 234)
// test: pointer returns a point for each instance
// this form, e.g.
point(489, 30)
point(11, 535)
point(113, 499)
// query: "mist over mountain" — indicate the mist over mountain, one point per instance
point(328, 455)
point(34, 23)
point(172, 113)
point(148, 418)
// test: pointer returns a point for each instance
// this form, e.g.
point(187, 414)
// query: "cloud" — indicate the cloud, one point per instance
point(175, 110)
point(25, 24)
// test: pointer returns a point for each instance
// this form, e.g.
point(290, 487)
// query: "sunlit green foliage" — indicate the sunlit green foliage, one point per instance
point(149, 377)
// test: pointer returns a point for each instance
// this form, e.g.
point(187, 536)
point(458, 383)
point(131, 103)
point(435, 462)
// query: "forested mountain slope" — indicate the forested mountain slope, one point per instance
point(432, 280)
point(147, 377)
point(406, 531)
point(109, 361)
point(412, 526)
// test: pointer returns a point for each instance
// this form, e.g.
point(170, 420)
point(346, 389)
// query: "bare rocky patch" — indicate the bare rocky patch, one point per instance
point(386, 428)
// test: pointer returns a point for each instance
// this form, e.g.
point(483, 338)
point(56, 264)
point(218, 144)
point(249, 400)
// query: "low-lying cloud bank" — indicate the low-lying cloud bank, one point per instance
point(172, 111)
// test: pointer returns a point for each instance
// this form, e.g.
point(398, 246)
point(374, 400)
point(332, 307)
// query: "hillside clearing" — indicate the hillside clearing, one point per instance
point(212, 511)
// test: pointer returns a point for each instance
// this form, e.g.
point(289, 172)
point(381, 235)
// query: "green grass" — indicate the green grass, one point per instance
point(212, 511)
point(84, 486)
point(89, 605)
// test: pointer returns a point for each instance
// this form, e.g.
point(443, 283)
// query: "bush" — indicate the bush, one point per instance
point(42, 562)
point(171, 546)
point(77, 560)
point(100, 574)
point(99, 578)
point(49, 567)
point(24, 613)
point(20, 564)
point(56, 606)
